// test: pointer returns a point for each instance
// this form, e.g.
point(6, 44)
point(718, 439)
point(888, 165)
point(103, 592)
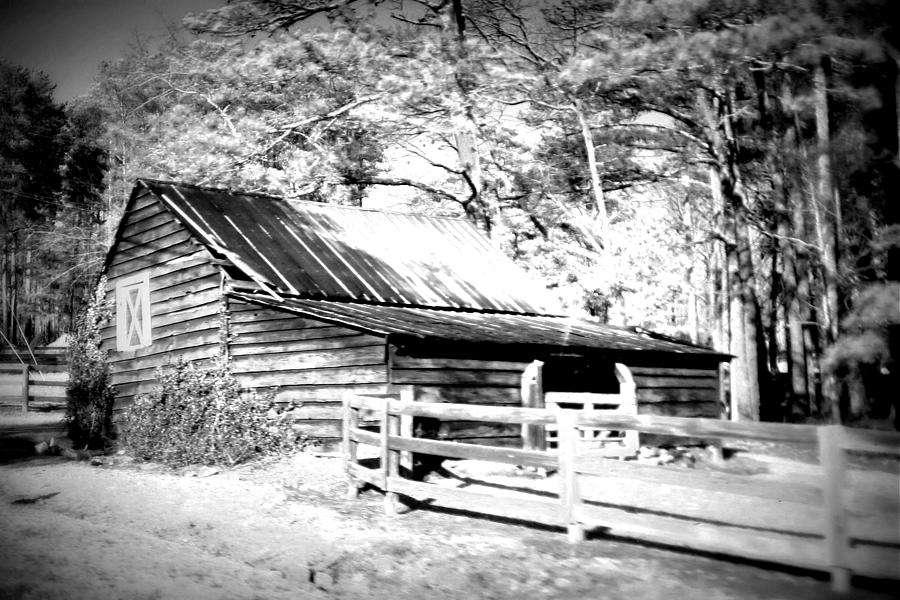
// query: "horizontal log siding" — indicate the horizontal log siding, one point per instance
point(463, 380)
point(184, 298)
point(310, 363)
point(678, 392)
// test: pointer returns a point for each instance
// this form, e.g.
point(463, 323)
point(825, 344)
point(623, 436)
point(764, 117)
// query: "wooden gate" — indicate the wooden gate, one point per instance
point(605, 442)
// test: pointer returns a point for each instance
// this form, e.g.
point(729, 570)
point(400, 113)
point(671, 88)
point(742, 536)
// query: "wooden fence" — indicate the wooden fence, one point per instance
point(836, 544)
point(28, 387)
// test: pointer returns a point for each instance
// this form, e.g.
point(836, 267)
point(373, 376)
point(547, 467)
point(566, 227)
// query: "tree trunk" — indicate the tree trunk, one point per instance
point(587, 138)
point(827, 226)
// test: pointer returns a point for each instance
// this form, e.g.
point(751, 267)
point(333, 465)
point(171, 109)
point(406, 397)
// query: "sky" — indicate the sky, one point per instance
point(68, 39)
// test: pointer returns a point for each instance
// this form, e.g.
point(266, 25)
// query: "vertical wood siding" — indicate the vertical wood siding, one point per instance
point(304, 361)
point(184, 297)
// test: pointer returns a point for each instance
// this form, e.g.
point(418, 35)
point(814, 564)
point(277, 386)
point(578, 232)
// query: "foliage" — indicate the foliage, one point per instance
point(51, 176)
point(90, 396)
point(866, 330)
point(199, 415)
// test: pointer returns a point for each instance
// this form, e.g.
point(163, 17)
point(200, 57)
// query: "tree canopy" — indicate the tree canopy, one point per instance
point(720, 171)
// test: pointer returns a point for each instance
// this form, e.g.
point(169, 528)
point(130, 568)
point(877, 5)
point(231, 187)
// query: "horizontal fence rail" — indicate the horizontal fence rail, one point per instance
point(839, 543)
point(28, 387)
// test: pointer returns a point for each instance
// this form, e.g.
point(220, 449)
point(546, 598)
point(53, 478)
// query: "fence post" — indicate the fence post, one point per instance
point(569, 494)
point(26, 373)
point(350, 418)
point(390, 460)
point(532, 392)
point(833, 459)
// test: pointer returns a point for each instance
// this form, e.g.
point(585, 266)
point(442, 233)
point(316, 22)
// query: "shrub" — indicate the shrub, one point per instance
point(89, 395)
point(201, 416)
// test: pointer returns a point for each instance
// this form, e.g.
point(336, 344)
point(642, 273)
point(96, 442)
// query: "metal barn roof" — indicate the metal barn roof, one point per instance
point(326, 251)
point(463, 326)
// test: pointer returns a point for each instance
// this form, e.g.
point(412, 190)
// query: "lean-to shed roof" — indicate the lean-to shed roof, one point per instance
point(325, 251)
point(484, 328)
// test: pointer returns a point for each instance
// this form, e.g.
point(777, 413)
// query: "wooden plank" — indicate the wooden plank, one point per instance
point(677, 382)
point(200, 325)
point(676, 426)
point(139, 212)
point(472, 377)
point(149, 221)
point(26, 374)
point(43, 403)
point(350, 341)
point(570, 495)
point(837, 543)
point(289, 361)
point(134, 261)
point(874, 561)
point(721, 539)
point(325, 429)
point(465, 412)
point(672, 372)
point(153, 254)
point(163, 308)
point(145, 367)
point(370, 476)
point(699, 427)
point(52, 391)
point(469, 395)
point(349, 447)
point(871, 441)
point(512, 456)
point(531, 390)
point(281, 331)
point(50, 383)
point(681, 409)
point(258, 315)
point(163, 344)
point(328, 375)
point(48, 376)
point(409, 362)
point(188, 272)
point(646, 396)
point(457, 429)
point(709, 481)
point(149, 235)
point(308, 394)
point(209, 310)
point(522, 507)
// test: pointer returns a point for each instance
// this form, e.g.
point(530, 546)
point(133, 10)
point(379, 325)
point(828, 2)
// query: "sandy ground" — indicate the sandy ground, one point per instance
point(284, 529)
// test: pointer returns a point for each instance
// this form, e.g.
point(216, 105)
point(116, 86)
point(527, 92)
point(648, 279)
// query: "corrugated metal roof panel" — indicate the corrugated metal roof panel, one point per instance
point(490, 328)
point(345, 253)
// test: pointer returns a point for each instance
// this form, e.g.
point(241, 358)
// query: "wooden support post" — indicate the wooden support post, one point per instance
point(390, 459)
point(833, 461)
point(407, 395)
point(532, 391)
point(569, 494)
point(350, 447)
point(628, 393)
point(26, 373)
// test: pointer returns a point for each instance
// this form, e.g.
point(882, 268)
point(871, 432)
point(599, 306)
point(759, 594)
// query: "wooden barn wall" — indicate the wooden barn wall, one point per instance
point(478, 374)
point(308, 362)
point(184, 297)
point(682, 387)
point(679, 386)
point(464, 380)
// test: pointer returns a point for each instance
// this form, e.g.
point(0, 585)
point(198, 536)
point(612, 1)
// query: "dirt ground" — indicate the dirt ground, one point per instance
point(285, 529)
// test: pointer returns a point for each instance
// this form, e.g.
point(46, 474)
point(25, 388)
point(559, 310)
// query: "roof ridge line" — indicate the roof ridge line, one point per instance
point(209, 188)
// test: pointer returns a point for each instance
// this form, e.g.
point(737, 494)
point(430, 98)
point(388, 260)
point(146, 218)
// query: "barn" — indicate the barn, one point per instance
point(311, 301)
